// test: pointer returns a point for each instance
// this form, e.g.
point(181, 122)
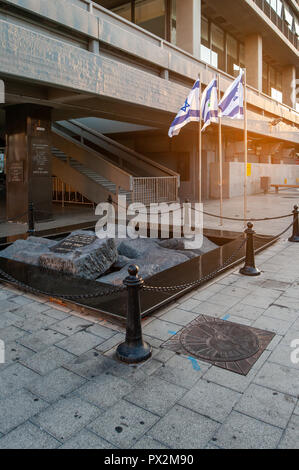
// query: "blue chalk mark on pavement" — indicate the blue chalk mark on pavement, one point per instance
point(172, 332)
point(194, 363)
point(226, 317)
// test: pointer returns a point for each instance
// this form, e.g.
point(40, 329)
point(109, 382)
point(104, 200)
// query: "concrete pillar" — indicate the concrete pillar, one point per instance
point(188, 22)
point(94, 46)
point(289, 86)
point(254, 60)
point(28, 162)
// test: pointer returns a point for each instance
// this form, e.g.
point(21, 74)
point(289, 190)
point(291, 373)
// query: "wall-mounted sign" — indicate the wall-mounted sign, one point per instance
point(40, 157)
point(15, 172)
point(248, 169)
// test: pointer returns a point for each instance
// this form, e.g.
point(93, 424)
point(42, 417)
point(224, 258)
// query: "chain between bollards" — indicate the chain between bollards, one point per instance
point(30, 218)
point(295, 234)
point(134, 349)
point(249, 268)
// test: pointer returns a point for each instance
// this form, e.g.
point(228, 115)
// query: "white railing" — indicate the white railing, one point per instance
point(149, 190)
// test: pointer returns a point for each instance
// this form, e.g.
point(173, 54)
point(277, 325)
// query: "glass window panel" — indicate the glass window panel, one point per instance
point(272, 74)
point(242, 55)
point(265, 77)
point(150, 15)
point(204, 32)
point(279, 8)
point(218, 45)
point(123, 10)
point(276, 95)
point(232, 56)
point(279, 81)
point(173, 22)
point(288, 16)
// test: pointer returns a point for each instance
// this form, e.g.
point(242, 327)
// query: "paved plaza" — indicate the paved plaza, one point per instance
point(61, 387)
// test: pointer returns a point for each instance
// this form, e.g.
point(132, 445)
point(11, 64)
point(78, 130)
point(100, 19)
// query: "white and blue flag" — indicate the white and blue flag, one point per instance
point(209, 104)
point(188, 112)
point(232, 103)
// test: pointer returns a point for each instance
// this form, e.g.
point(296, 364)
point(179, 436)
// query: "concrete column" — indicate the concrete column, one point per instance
point(254, 60)
point(28, 163)
point(94, 46)
point(188, 26)
point(289, 86)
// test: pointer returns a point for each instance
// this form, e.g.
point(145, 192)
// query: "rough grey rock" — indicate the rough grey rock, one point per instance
point(121, 262)
point(173, 243)
point(28, 251)
point(87, 261)
point(156, 260)
point(136, 248)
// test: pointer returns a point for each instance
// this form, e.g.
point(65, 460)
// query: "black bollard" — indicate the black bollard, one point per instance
point(295, 235)
point(249, 268)
point(134, 349)
point(30, 218)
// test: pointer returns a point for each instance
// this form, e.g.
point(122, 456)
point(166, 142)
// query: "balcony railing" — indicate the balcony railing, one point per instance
point(278, 21)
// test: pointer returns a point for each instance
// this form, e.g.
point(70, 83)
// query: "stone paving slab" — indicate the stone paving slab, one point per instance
point(28, 436)
point(66, 417)
point(123, 424)
point(243, 432)
point(17, 408)
point(181, 428)
point(86, 439)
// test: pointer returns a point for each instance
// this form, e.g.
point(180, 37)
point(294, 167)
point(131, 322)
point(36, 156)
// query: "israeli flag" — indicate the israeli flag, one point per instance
point(232, 103)
point(209, 104)
point(188, 112)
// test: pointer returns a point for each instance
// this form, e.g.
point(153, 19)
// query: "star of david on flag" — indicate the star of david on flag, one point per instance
point(209, 104)
point(188, 112)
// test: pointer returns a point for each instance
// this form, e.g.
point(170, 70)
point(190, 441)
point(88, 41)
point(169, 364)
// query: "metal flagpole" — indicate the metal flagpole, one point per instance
point(220, 156)
point(245, 147)
point(199, 142)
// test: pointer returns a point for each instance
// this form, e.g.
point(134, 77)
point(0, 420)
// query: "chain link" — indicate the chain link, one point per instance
point(197, 281)
point(102, 293)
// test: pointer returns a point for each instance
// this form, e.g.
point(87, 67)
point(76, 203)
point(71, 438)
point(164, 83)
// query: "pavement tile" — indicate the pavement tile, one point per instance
point(246, 311)
point(17, 408)
point(211, 400)
point(147, 442)
point(189, 304)
point(86, 440)
point(29, 309)
point(101, 331)
point(66, 417)
point(178, 316)
point(15, 352)
point(105, 390)
point(57, 383)
point(209, 308)
point(267, 405)
point(11, 333)
point(41, 339)
point(55, 313)
point(14, 377)
point(123, 424)
point(290, 438)
point(28, 436)
point(90, 364)
point(182, 371)
point(272, 324)
point(243, 432)
point(229, 379)
point(279, 378)
point(80, 342)
point(111, 342)
point(7, 319)
point(282, 355)
point(282, 313)
point(47, 360)
point(155, 395)
point(34, 322)
point(6, 305)
point(71, 325)
point(184, 429)
point(161, 329)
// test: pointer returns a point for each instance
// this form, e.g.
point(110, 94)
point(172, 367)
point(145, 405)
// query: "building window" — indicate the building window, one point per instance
point(272, 82)
point(218, 45)
point(232, 56)
point(150, 15)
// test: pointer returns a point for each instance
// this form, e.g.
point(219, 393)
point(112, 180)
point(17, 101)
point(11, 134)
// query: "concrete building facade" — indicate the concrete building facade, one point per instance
point(91, 88)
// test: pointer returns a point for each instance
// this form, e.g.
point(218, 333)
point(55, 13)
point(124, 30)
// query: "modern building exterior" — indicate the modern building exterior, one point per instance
point(92, 87)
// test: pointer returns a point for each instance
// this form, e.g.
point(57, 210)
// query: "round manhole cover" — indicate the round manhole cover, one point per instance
point(220, 341)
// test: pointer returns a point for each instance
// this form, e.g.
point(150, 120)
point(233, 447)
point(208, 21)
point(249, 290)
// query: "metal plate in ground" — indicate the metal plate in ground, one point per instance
point(222, 343)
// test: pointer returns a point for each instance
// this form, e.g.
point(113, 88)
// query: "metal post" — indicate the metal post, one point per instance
point(134, 349)
point(249, 269)
point(30, 218)
point(295, 235)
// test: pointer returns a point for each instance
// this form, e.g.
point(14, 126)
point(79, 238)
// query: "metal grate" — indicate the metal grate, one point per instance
point(150, 190)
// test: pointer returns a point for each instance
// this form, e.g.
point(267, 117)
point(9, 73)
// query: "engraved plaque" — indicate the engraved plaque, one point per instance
point(72, 243)
point(16, 172)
